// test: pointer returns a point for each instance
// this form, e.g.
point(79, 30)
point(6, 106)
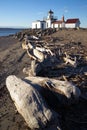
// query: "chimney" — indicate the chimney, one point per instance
point(63, 19)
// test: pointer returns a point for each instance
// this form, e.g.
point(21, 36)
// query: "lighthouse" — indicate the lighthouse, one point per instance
point(49, 19)
point(50, 15)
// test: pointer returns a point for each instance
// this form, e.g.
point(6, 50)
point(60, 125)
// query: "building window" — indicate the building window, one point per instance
point(58, 25)
point(47, 25)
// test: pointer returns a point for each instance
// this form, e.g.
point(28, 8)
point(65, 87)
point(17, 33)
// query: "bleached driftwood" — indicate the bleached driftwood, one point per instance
point(69, 60)
point(26, 37)
point(65, 91)
point(43, 58)
point(34, 37)
point(34, 70)
point(29, 103)
point(38, 53)
point(40, 67)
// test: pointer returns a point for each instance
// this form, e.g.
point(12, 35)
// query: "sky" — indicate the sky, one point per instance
point(21, 13)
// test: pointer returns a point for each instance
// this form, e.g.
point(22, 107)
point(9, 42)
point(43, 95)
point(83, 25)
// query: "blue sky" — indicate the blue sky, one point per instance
point(21, 13)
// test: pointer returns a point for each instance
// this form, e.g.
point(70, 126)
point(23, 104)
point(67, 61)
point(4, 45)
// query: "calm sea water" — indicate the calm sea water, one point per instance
point(7, 31)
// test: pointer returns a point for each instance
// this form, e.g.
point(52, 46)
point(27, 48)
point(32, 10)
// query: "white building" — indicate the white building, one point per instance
point(59, 23)
point(72, 23)
point(51, 22)
point(39, 24)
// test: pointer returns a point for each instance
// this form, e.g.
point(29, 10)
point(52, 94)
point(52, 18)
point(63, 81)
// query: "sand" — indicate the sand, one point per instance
point(73, 117)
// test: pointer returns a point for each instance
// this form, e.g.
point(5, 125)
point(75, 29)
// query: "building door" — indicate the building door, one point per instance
point(42, 26)
point(36, 26)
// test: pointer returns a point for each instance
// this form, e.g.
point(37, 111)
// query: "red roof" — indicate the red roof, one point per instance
point(72, 20)
point(57, 22)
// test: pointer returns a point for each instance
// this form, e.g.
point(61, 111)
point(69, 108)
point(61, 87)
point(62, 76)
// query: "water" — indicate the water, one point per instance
point(8, 31)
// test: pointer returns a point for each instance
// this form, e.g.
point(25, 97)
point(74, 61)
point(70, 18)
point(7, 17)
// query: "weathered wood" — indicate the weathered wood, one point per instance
point(31, 55)
point(69, 60)
point(43, 58)
point(34, 70)
point(40, 67)
point(29, 103)
point(66, 92)
point(32, 52)
point(40, 55)
point(39, 52)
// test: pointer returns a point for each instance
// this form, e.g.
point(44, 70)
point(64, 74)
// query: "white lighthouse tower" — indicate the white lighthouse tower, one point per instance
point(50, 14)
point(49, 19)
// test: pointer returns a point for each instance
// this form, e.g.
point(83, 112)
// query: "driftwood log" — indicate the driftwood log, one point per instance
point(35, 52)
point(68, 59)
point(30, 104)
point(42, 58)
point(66, 92)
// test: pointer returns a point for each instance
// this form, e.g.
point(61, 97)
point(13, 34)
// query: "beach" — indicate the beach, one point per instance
point(72, 41)
point(10, 51)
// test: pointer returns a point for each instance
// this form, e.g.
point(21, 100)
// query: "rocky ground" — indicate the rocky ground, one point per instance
point(13, 59)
